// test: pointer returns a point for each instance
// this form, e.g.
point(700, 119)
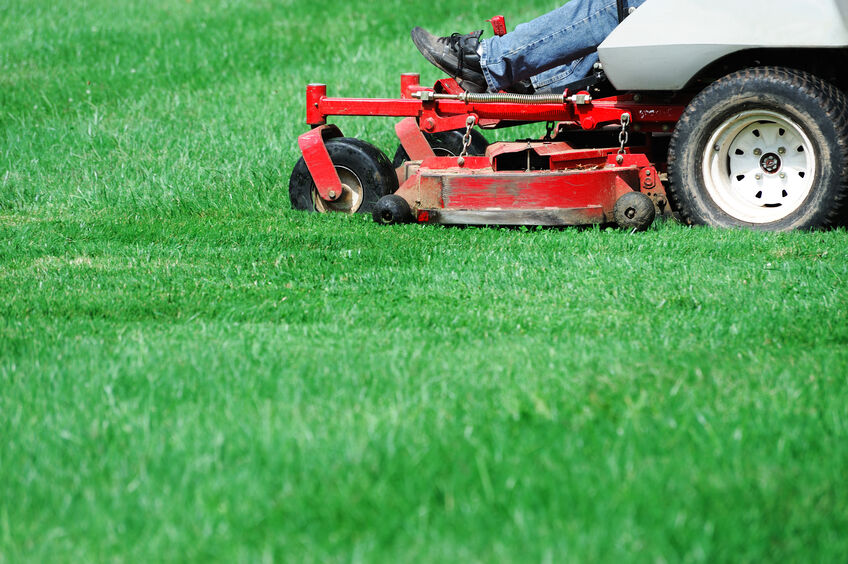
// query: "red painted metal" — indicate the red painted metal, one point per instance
point(589, 116)
point(409, 83)
point(498, 25)
point(559, 183)
point(413, 141)
point(517, 190)
point(444, 115)
point(318, 160)
point(588, 182)
point(314, 94)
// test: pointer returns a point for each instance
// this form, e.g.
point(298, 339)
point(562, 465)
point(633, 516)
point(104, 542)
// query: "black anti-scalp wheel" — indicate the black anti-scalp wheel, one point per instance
point(364, 170)
point(392, 209)
point(447, 144)
point(763, 148)
point(634, 210)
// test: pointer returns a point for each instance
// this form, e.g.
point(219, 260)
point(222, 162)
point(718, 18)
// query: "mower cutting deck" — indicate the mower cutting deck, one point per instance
point(532, 182)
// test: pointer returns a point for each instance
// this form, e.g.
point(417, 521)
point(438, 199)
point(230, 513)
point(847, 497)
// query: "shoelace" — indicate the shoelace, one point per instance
point(455, 43)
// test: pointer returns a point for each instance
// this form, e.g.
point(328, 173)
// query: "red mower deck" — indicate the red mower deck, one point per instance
point(534, 182)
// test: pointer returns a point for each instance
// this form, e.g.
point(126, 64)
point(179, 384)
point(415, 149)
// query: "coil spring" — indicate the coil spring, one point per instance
point(508, 98)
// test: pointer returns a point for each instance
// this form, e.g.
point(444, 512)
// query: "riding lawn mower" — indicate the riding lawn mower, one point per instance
point(722, 113)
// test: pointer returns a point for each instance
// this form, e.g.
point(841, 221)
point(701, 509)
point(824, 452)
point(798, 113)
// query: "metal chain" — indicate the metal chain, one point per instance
point(550, 126)
point(623, 137)
point(466, 139)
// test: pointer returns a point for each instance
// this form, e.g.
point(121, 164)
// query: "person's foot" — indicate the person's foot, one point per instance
point(456, 55)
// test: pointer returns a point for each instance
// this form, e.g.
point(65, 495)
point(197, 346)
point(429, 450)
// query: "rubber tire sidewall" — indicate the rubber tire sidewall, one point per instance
point(792, 94)
point(369, 163)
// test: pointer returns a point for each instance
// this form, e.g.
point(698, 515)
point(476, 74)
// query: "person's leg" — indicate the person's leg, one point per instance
point(557, 78)
point(562, 42)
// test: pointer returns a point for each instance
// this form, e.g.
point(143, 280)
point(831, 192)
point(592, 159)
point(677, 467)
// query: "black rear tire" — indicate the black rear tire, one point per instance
point(365, 169)
point(763, 148)
point(447, 144)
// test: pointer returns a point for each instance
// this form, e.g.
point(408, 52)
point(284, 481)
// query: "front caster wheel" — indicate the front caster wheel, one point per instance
point(364, 170)
point(634, 210)
point(392, 209)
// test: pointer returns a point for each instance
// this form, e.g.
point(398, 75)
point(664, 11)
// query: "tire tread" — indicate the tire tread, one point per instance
point(832, 101)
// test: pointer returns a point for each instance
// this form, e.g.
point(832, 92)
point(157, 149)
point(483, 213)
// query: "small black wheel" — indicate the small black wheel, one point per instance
point(392, 209)
point(634, 210)
point(447, 144)
point(365, 172)
point(763, 148)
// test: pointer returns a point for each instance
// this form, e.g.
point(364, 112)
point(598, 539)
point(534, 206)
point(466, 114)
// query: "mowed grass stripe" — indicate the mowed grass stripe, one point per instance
point(191, 371)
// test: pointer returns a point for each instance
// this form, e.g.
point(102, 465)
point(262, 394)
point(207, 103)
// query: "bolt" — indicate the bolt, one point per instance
point(782, 150)
point(717, 148)
point(332, 194)
point(647, 173)
point(429, 125)
point(758, 152)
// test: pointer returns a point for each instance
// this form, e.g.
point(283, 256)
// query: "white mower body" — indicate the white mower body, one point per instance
point(664, 44)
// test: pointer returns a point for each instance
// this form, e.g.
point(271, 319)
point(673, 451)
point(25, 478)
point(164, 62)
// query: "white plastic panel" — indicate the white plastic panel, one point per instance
point(664, 43)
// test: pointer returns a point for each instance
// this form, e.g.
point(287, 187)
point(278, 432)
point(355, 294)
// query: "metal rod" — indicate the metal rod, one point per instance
point(494, 98)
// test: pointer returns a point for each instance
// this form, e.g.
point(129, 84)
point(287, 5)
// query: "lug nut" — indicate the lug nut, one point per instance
point(759, 176)
point(782, 150)
point(783, 175)
point(758, 152)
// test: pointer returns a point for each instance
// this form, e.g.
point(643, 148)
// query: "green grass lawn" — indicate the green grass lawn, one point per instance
point(191, 371)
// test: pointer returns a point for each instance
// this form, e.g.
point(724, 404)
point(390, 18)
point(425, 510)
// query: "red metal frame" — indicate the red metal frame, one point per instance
point(412, 140)
point(577, 186)
point(318, 160)
point(444, 115)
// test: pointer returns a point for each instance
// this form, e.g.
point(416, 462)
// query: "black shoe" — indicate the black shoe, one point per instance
point(456, 55)
point(523, 87)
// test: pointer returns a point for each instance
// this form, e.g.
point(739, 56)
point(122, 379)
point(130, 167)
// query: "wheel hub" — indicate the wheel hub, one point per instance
point(759, 166)
point(350, 199)
point(770, 163)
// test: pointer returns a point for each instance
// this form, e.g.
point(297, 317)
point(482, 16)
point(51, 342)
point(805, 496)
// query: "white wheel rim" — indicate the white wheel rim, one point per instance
point(352, 194)
point(759, 166)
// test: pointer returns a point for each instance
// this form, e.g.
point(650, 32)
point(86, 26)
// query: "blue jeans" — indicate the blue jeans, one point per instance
point(554, 49)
